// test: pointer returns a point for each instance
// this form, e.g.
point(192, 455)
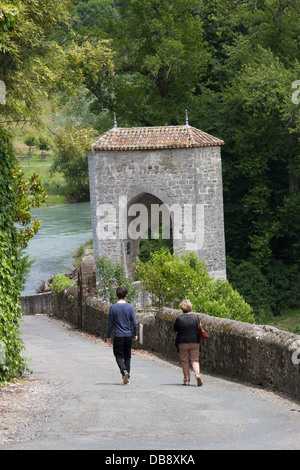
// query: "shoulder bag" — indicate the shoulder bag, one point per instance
point(201, 333)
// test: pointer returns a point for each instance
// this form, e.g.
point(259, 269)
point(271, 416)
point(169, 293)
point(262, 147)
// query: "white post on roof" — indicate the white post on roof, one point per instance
point(115, 122)
point(186, 118)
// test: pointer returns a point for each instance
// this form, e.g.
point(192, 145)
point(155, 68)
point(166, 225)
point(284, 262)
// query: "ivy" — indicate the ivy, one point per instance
point(17, 227)
point(9, 269)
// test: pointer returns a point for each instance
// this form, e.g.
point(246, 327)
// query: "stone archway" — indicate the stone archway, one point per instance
point(145, 212)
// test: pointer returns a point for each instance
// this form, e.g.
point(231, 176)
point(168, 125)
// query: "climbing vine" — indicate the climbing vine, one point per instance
point(17, 227)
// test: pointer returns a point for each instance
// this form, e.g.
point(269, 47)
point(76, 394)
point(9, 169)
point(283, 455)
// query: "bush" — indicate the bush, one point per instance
point(60, 283)
point(169, 279)
point(268, 292)
point(110, 276)
point(250, 282)
point(284, 286)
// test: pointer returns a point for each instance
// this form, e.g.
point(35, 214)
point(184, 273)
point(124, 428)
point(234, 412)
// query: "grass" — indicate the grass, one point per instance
point(78, 254)
point(288, 321)
point(54, 184)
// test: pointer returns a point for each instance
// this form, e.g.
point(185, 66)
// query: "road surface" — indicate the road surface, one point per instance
point(84, 405)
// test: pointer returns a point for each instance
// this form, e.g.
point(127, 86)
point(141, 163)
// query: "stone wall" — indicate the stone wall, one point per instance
point(255, 354)
point(37, 303)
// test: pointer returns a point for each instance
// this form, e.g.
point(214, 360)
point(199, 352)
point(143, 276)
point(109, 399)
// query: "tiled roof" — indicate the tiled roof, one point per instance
point(143, 138)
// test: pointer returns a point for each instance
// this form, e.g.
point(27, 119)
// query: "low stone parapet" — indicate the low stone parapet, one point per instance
point(37, 303)
point(254, 354)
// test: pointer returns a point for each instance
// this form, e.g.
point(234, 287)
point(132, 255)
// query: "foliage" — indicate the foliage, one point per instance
point(150, 245)
point(29, 41)
point(170, 278)
point(110, 276)
point(268, 151)
point(30, 140)
point(232, 64)
point(284, 285)
point(60, 282)
point(43, 144)
point(78, 254)
point(253, 286)
point(9, 16)
point(71, 160)
point(28, 194)
point(29, 30)
point(17, 226)
point(159, 54)
point(10, 267)
point(289, 320)
point(268, 291)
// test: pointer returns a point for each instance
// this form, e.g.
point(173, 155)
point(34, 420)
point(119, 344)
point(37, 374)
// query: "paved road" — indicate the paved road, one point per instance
point(88, 407)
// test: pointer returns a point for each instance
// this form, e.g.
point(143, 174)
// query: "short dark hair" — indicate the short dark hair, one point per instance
point(121, 292)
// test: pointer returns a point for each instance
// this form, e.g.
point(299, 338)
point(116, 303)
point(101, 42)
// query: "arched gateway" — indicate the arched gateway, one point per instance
point(172, 175)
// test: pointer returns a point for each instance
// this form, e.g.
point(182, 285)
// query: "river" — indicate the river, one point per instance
point(63, 230)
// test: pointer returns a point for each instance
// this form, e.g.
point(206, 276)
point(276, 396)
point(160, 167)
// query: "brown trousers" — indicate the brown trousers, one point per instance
point(189, 352)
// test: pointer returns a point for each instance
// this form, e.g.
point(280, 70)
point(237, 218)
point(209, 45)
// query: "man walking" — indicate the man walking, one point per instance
point(123, 321)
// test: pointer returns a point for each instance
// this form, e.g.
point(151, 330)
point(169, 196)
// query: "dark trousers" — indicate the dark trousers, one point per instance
point(122, 352)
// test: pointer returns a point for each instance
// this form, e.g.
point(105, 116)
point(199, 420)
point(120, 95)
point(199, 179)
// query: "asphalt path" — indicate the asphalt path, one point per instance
point(87, 407)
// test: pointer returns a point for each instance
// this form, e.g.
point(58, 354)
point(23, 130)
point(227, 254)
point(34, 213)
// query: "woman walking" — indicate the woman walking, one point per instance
point(187, 342)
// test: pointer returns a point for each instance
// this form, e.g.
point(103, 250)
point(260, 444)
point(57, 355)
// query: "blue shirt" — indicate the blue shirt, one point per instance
point(122, 320)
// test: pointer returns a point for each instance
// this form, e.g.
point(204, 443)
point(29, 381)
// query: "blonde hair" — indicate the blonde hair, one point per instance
point(186, 306)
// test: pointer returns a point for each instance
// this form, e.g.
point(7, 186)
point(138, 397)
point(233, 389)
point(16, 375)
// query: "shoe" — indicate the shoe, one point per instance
point(125, 378)
point(199, 381)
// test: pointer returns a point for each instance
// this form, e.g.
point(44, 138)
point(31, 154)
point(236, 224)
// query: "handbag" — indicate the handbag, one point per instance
point(201, 333)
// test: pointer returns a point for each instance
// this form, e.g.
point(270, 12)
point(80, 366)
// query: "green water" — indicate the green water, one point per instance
point(64, 229)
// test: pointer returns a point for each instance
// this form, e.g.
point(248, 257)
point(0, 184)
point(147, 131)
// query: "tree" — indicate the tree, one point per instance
point(43, 144)
point(159, 56)
point(71, 160)
point(26, 44)
point(246, 99)
point(30, 140)
point(267, 146)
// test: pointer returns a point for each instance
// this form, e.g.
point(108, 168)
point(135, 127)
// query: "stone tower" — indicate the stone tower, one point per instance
point(142, 176)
